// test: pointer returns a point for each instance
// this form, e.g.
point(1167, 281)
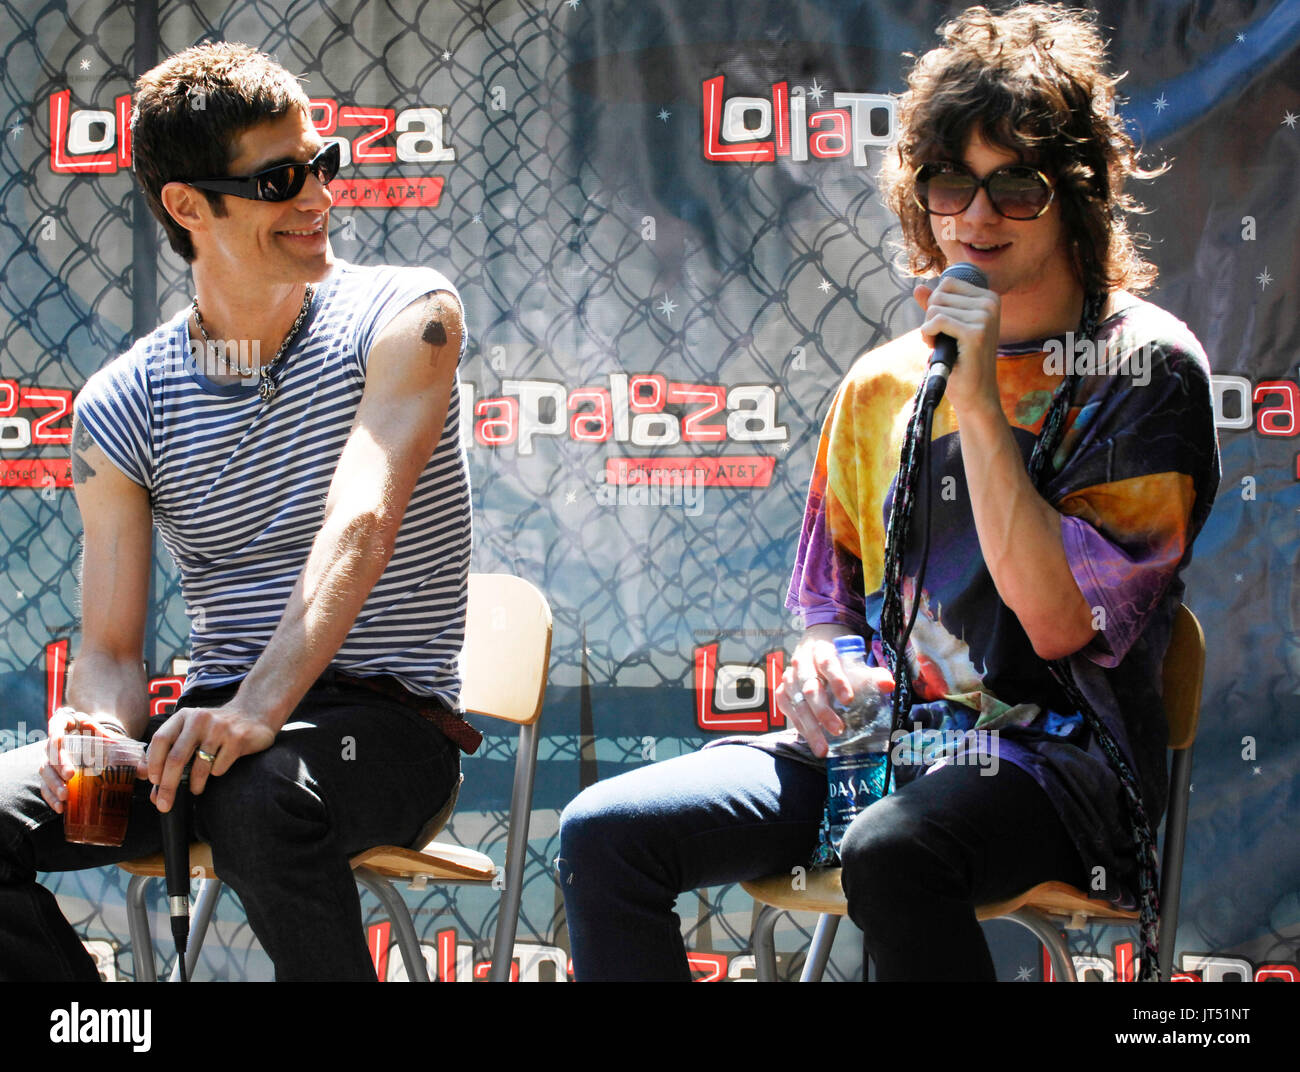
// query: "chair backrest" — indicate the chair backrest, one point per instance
point(1183, 670)
point(507, 648)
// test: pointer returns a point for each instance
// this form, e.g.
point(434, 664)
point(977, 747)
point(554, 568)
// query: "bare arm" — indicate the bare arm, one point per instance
point(107, 681)
point(411, 371)
point(1020, 536)
point(1019, 532)
point(108, 677)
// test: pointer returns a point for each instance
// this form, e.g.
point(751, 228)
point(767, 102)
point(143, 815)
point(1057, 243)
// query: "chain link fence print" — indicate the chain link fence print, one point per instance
point(612, 275)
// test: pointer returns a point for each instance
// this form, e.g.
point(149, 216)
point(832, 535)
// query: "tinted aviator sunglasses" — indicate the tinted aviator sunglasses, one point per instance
point(1016, 191)
point(278, 183)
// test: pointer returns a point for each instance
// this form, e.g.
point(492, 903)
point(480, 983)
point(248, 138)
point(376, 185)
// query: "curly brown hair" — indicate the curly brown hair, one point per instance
point(1031, 81)
point(190, 110)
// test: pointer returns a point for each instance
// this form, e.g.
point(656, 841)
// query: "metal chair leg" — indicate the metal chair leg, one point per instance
point(1171, 879)
point(503, 945)
point(820, 950)
point(204, 905)
point(1043, 929)
point(407, 940)
point(765, 944)
point(137, 919)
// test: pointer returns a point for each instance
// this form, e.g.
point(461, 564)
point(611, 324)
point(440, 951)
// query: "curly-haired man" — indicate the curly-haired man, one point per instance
point(1072, 462)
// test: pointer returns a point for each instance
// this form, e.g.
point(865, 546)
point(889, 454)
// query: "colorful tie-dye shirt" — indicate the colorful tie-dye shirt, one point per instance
point(1134, 479)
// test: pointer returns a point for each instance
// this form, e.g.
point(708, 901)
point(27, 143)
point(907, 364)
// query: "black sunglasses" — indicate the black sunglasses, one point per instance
point(1017, 191)
point(278, 183)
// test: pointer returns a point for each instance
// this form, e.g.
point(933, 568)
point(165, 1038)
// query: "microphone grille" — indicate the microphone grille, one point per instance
point(967, 273)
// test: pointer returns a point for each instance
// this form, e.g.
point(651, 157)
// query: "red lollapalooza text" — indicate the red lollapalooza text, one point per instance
point(737, 697)
point(758, 130)
point(34, 417)
point(451, 961)
point(164, 690)
point(642, 409)
point(1270, 407)
point(95, 141)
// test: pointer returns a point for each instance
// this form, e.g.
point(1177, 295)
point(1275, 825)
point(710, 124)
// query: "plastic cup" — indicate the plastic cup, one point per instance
point(101, 786)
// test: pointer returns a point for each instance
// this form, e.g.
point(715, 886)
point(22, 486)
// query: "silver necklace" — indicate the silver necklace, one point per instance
point(266, 384)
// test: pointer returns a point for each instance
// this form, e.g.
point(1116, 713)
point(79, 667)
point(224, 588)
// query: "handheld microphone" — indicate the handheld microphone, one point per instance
point(945, 346)
point(176, 864)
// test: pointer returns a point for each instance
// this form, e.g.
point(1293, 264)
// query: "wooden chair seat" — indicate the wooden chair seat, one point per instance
point(438, 860)
point(1057, 899)
point(822, 893)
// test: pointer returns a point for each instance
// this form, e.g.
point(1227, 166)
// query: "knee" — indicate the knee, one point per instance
point(608, 833)
point(593, 822)
point(888, 863)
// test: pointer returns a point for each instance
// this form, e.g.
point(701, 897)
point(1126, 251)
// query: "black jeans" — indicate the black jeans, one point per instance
point(916, 863)
point(349, 770)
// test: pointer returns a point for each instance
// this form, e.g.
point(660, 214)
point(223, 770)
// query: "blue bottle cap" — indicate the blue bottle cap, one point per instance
point(850, 645)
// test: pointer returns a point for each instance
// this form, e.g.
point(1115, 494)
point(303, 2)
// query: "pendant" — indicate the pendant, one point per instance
point(266, 387)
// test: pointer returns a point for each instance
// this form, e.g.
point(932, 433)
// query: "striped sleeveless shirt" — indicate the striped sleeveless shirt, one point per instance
point(238, 487)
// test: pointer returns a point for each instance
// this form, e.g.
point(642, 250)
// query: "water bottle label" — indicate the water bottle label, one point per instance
point(853, 783)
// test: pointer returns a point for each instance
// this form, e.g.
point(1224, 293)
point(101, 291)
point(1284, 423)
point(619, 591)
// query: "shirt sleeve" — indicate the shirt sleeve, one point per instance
point(391, 291)
point(1136, 486)
point(113, 407)
point(827, 583)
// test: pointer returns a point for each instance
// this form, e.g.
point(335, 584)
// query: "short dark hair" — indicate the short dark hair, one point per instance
point(190, 110)
point(1032, 81)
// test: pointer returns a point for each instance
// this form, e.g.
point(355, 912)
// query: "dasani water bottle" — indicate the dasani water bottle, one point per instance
point(856, 759)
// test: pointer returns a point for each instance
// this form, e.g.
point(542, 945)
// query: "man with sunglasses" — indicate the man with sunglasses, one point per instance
point(1061, 508)
point(293, 433)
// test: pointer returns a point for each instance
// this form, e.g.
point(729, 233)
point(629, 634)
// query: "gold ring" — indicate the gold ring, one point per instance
point(208, 756)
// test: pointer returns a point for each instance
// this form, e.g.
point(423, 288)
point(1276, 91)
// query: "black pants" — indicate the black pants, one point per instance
point(916, 863)
point(350, 769)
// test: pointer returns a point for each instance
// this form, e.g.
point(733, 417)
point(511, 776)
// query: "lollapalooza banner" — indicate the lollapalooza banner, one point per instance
point(664, 219)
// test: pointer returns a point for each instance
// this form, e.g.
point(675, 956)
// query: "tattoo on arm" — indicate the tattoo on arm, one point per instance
point(82, 441)
point(434, 333)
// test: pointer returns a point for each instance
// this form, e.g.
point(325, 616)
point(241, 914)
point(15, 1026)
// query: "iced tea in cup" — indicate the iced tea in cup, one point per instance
point(100, 789)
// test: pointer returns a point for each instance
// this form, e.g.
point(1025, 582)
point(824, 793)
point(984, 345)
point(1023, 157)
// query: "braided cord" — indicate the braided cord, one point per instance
point(892, 624)
point(1139, 828)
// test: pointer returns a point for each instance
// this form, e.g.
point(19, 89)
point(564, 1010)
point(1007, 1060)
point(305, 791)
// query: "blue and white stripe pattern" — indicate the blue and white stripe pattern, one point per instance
point(238, 486)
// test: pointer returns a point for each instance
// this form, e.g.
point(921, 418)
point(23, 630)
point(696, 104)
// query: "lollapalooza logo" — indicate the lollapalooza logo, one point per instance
point(643, 410)
point(737, 697)
point(640, 410)
point(449, 960)
point(35, 417)
point(96, 141)
point(758, 130)
point(1271, 407)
